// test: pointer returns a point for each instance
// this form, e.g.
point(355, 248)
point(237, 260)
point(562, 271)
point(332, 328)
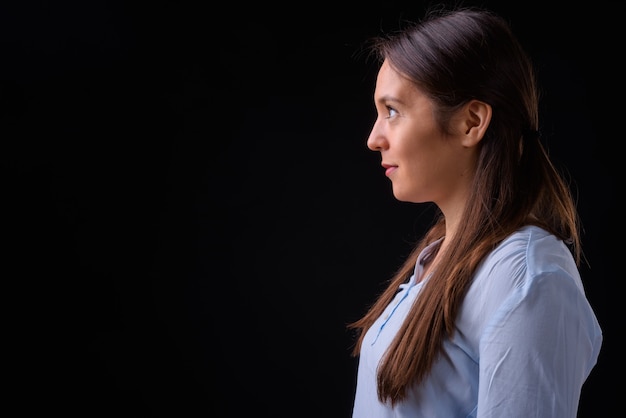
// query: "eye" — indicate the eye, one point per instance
point(391, 112)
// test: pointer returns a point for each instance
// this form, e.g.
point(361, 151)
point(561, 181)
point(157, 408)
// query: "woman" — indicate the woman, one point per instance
point(488, 316)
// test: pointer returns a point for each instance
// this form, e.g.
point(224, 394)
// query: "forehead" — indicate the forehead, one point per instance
point(390, 84)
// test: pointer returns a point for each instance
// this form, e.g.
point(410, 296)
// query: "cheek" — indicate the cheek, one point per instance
point(416, 153)
point(424, 164)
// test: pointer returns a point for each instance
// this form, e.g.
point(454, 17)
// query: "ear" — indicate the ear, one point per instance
point(476, 116)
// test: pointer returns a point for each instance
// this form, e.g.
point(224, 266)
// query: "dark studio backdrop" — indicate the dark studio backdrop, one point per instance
point(192, 215)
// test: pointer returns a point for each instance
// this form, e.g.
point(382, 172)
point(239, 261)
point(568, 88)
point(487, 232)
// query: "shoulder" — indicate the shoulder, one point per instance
point(535, 252)
point(523, 261)
point(531, 267)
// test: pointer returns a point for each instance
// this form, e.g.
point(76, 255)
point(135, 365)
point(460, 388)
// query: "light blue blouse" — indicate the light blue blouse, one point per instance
point(526, 339)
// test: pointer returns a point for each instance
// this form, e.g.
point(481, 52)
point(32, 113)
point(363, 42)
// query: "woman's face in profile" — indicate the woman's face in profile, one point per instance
point(422, 162)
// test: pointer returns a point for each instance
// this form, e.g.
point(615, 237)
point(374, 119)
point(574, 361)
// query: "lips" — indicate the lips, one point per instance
point(389, 169)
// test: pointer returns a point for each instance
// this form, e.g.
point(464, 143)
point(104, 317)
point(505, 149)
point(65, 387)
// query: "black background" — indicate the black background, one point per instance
point(192, 215)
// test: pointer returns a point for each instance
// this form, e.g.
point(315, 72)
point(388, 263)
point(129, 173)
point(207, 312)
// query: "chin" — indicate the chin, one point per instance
point(408, 198)
point(401, 197)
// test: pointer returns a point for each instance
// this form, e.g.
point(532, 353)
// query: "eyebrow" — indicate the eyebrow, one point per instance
point(389, 99)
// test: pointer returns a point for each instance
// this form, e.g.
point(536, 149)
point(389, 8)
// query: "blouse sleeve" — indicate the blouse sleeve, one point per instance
point(537, 350)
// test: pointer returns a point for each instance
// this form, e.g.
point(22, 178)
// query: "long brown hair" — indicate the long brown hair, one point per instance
point(455, 56)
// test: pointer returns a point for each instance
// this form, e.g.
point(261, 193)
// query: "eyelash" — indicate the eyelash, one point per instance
point(391, 110)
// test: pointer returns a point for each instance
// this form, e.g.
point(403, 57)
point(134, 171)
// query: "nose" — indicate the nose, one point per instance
point(376, 141)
